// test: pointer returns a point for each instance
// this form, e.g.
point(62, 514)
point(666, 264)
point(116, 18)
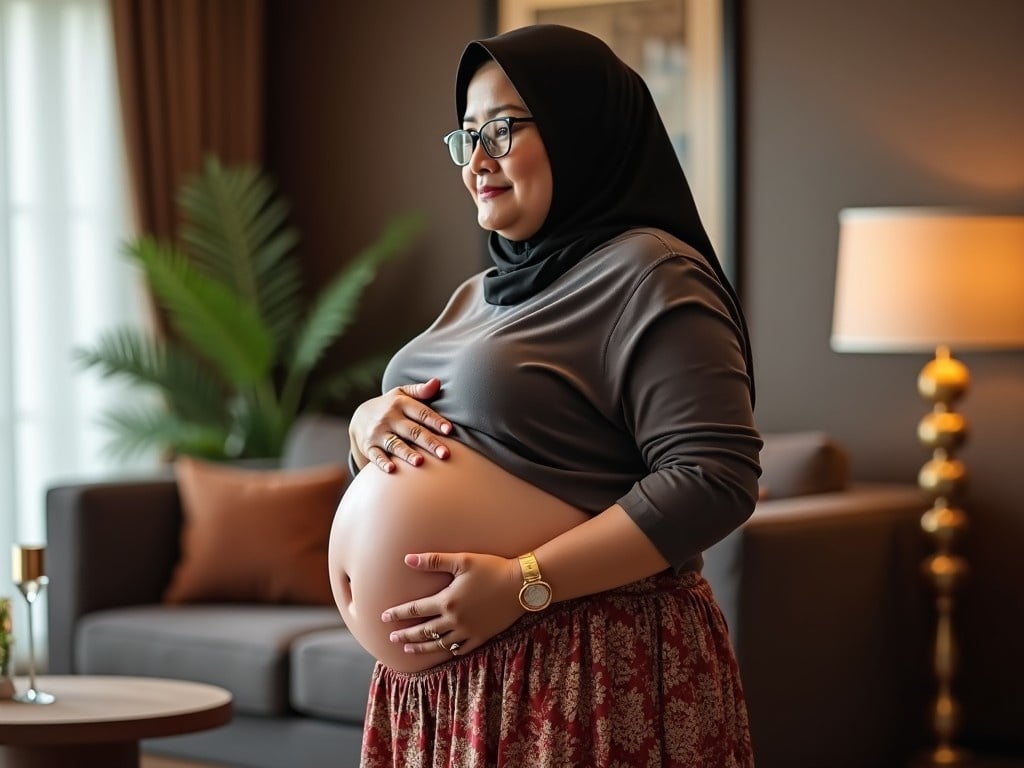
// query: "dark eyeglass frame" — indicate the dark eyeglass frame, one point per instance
point(475, 136)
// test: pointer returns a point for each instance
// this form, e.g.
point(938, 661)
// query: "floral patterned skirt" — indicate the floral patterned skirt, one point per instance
point(643, 675)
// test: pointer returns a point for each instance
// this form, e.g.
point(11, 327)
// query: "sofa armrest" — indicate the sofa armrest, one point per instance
point(828, 613)
point(791, 538)
point(108, 544)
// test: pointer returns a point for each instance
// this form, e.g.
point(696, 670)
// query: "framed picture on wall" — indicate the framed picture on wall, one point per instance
point(684, 51)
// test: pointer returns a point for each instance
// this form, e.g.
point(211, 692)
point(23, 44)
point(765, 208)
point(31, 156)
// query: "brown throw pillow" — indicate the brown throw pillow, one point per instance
point(254, 535)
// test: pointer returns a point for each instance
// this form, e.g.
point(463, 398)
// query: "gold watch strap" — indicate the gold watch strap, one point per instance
point(531, 570)
point(535, 594)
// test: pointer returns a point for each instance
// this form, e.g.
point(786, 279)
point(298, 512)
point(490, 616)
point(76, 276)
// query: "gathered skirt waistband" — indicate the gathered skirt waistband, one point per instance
point(642, 675)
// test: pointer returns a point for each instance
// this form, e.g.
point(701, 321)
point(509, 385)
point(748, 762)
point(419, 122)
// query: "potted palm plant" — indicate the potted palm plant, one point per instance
point(234, 371)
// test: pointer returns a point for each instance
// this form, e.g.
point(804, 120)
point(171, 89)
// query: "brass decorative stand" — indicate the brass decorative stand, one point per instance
point(942, 382)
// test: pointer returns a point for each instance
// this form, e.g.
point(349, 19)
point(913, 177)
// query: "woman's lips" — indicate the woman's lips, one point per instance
point(487, 193)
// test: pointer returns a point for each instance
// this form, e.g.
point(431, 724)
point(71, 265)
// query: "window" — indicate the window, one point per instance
point(63, 214)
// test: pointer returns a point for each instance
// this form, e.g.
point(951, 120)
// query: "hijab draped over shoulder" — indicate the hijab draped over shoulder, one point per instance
point(613, 165)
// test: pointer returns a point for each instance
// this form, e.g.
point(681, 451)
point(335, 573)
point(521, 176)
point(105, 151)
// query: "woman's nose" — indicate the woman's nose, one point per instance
point(480, 161)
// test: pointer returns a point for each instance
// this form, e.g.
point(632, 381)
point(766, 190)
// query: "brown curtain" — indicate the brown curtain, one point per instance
point(191, 82)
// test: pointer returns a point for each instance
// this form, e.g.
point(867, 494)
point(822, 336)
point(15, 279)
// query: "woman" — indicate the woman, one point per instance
point(563, 442)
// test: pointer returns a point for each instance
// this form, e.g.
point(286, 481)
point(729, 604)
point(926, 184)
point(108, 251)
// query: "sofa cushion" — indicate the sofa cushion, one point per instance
point(244, 648)
point(802, 463)
point(330, 675)
point(255, 535)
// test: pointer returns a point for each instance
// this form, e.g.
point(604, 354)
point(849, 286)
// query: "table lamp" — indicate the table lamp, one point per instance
point(922, 280)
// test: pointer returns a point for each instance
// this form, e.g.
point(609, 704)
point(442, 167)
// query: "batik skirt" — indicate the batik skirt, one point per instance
point(643, 675)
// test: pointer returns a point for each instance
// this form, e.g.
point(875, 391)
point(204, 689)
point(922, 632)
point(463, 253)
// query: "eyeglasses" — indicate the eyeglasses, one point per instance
point(496, 136)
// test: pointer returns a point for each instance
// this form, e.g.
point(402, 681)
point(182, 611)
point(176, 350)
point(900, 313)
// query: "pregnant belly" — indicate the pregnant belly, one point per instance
point(463, 504)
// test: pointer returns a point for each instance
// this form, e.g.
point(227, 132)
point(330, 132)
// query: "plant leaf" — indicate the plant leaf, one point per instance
point(236, 305)
point(335, 308)
point(191, 390)
point(139, 428)
point(127, 353)
point(235, 228)
point(222, 327)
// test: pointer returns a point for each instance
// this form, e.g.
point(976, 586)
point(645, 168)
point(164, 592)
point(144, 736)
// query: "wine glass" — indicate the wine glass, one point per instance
point(30, 578)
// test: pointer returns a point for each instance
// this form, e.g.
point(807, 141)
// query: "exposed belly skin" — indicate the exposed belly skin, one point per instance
point(463, 504)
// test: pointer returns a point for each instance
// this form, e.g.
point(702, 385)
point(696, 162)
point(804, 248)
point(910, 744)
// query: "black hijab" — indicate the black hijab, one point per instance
point(612, 163)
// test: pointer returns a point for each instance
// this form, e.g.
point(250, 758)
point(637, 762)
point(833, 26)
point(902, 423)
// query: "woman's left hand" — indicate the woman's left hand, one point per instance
point(481, 601)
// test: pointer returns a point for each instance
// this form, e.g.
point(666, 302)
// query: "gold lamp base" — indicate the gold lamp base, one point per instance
point(942, 382)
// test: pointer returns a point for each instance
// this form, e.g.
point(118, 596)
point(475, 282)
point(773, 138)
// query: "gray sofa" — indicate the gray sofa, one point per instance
point(820, 588)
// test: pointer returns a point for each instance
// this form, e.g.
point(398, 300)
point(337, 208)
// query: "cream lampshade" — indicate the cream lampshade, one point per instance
point(912, 279)
point(922, 279)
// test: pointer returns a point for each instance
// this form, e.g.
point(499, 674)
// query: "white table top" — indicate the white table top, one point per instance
point(110, 708)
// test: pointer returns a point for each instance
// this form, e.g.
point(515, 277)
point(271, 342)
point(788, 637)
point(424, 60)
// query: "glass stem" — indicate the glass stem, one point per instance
point(30, 598)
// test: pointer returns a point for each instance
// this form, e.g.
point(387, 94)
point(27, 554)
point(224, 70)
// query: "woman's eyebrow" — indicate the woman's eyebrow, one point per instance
point(496, 111)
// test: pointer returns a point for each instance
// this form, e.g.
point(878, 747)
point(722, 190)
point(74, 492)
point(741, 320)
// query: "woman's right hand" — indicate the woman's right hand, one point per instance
point(395, 424)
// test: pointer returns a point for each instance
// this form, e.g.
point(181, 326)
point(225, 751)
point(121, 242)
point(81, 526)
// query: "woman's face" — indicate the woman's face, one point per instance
point(512, 193)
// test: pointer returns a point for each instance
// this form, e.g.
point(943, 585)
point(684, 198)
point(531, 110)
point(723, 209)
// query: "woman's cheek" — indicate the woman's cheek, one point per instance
point(469, 180)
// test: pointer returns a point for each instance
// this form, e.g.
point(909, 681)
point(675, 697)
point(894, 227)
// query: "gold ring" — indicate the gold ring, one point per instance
point(389, 444)
point(440, 642)
point(454, 649)
point(434, 636)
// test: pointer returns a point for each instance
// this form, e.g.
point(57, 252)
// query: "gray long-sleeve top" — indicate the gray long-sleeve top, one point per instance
point(623, 381)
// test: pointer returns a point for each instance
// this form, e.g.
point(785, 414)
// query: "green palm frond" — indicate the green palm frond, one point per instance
point(236, 231)
point(140, 428)
point(221, 326)
point(190, 389)
point(218, 205)
point(124, 352)
point(336, 307)
point(235, 375)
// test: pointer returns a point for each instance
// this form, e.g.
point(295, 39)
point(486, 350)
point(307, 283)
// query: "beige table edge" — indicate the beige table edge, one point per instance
point(112, 708)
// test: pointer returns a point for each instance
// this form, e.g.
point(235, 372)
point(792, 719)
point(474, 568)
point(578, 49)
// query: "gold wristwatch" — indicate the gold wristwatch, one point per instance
point(536, 593)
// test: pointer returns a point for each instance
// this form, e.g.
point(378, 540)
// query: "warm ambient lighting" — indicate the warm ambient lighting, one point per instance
point(922, 279)
point(912, 279)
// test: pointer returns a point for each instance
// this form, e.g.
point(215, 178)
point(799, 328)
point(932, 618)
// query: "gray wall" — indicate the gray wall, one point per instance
point(846, 103)
point(890, 103)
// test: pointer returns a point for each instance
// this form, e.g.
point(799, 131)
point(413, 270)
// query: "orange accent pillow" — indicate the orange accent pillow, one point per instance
point(255, 535)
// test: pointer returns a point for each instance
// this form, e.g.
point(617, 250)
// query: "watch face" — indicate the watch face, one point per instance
point(536, 595)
